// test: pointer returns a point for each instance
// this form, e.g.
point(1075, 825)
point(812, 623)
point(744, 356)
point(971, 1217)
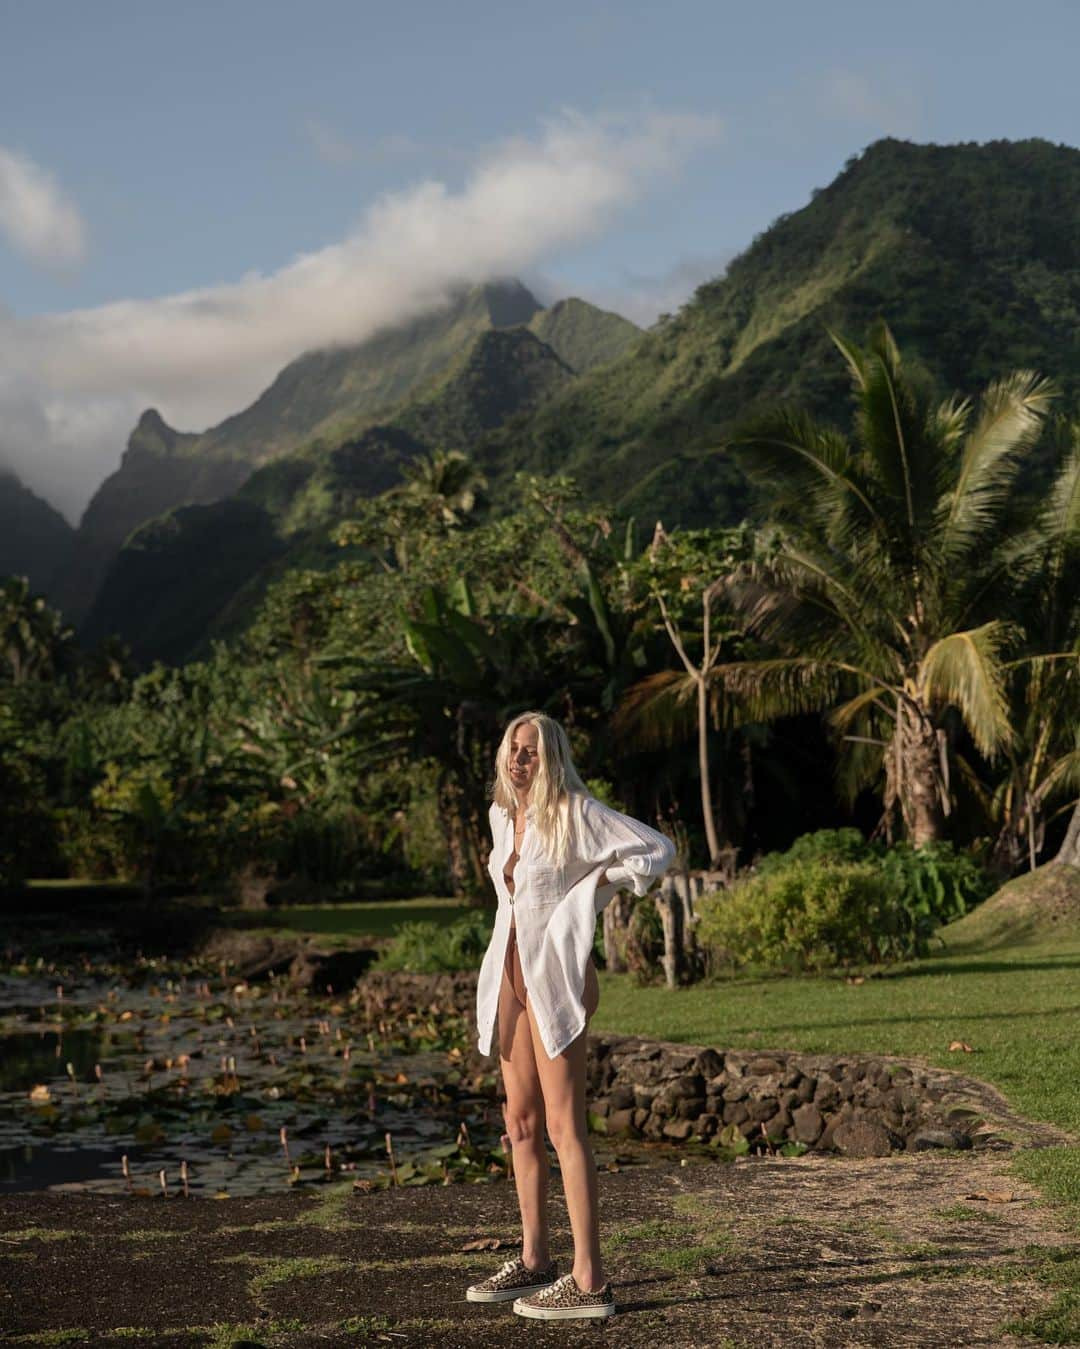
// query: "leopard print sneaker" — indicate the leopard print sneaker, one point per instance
point(512, 1278)
point(564, 1300)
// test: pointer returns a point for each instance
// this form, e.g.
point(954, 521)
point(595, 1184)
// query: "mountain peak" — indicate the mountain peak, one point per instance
point(153, 434)
point(508, 303)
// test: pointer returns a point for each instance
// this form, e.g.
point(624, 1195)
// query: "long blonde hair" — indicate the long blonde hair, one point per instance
point(555, 777)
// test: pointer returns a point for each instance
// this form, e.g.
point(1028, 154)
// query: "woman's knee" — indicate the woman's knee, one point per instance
point(523, 1124)
point(566, 1128)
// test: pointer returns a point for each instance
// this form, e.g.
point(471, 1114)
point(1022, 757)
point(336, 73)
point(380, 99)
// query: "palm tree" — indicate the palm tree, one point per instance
point(1046, 691)
point(447, 482)
point(900, 550)
point(34, 641)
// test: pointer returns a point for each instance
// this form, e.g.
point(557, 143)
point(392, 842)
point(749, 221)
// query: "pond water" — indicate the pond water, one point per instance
point(250, 1088)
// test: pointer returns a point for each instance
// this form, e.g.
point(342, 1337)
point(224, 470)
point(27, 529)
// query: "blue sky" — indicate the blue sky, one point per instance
point(173, 176)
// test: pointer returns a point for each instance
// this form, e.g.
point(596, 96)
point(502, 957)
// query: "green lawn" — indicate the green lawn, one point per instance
point(1018, 1008)
point(377, 918)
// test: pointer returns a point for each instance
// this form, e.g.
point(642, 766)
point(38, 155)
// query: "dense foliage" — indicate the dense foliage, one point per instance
point(431, 948)
point(835, 899)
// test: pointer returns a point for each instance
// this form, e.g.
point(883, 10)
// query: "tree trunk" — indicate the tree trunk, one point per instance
point(616, 919)
point(703, 765)
point(916, 777)
point(1069, 852)
point(463, 845)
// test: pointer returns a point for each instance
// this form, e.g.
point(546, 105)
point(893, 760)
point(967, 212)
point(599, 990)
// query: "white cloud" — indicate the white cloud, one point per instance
point(35, 216)
point(73, 384)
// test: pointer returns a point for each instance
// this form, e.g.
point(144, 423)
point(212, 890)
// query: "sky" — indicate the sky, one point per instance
point(193, 194)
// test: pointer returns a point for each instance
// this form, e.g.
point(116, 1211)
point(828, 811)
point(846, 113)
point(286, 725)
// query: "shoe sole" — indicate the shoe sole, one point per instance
point(503, 1294)
point(564, 1313)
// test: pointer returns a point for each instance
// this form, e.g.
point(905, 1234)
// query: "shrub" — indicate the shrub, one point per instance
point(811, 915)
point(824, 845)
point(936, 883)
point(432, 948)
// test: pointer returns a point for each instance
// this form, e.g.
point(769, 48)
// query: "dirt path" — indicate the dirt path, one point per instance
point(787, 1252)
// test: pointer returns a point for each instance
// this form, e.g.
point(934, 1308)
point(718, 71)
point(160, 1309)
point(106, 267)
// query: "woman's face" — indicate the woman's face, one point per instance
point(524, 757)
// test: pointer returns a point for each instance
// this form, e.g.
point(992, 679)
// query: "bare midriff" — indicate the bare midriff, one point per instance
point(508, 871)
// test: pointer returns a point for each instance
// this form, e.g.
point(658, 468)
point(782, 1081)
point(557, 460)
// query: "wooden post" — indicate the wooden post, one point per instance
point(669, 904)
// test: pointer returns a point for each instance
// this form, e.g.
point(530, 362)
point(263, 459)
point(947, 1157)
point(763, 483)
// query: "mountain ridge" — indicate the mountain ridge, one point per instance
point(971, 252)
point(330, 395)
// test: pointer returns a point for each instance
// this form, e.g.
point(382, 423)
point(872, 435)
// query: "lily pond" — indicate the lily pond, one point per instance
point(148, 1077)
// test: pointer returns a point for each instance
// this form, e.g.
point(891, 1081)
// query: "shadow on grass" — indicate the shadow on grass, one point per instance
point(904, 1019)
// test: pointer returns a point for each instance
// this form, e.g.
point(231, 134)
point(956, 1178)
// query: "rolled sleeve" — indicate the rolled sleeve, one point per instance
point(634, 854)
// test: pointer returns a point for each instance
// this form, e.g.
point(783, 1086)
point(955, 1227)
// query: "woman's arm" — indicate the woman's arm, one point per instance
point(635, 853)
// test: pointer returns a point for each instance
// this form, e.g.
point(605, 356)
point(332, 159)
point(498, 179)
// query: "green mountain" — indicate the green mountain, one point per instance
point(35, 539)
point(174, 573)
point(501, 373)
point(971, 252)
point(582, 335)
point(174, 577)
point(324, 398)
point(325, 392)
point(156, 472)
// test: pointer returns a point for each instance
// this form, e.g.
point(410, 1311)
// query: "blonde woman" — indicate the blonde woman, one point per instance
point(558, 856)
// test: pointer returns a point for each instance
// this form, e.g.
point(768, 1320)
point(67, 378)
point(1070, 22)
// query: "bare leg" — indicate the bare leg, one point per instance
point(524, 1125)
point(563, 1082)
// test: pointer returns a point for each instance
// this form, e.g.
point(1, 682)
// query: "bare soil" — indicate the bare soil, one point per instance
point(922, 1249)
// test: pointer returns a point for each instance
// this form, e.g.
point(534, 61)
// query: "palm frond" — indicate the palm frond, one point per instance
point(660, 709)
point(768, 689)
point(1063, 775)
point(1060, 518)
point(858, 769)
point(966, 670)
point(804, 466)
point(855, 357)
point(1010, 418)
point(805, 602)
point(842, 717)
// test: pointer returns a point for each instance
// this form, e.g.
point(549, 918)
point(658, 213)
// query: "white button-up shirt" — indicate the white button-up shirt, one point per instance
point(555, 909)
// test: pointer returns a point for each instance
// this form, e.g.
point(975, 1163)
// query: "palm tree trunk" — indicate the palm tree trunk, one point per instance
point(919, 788)
point(1069, 852)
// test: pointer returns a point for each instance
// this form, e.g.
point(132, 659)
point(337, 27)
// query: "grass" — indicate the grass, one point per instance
point(1018, 1007)
point(682, 1244)
point(364, 918)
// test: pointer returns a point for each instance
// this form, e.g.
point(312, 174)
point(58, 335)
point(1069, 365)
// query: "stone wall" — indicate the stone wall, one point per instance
point(861, 1106)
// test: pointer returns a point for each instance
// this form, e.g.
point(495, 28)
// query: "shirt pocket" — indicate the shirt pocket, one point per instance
point(545, 884)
